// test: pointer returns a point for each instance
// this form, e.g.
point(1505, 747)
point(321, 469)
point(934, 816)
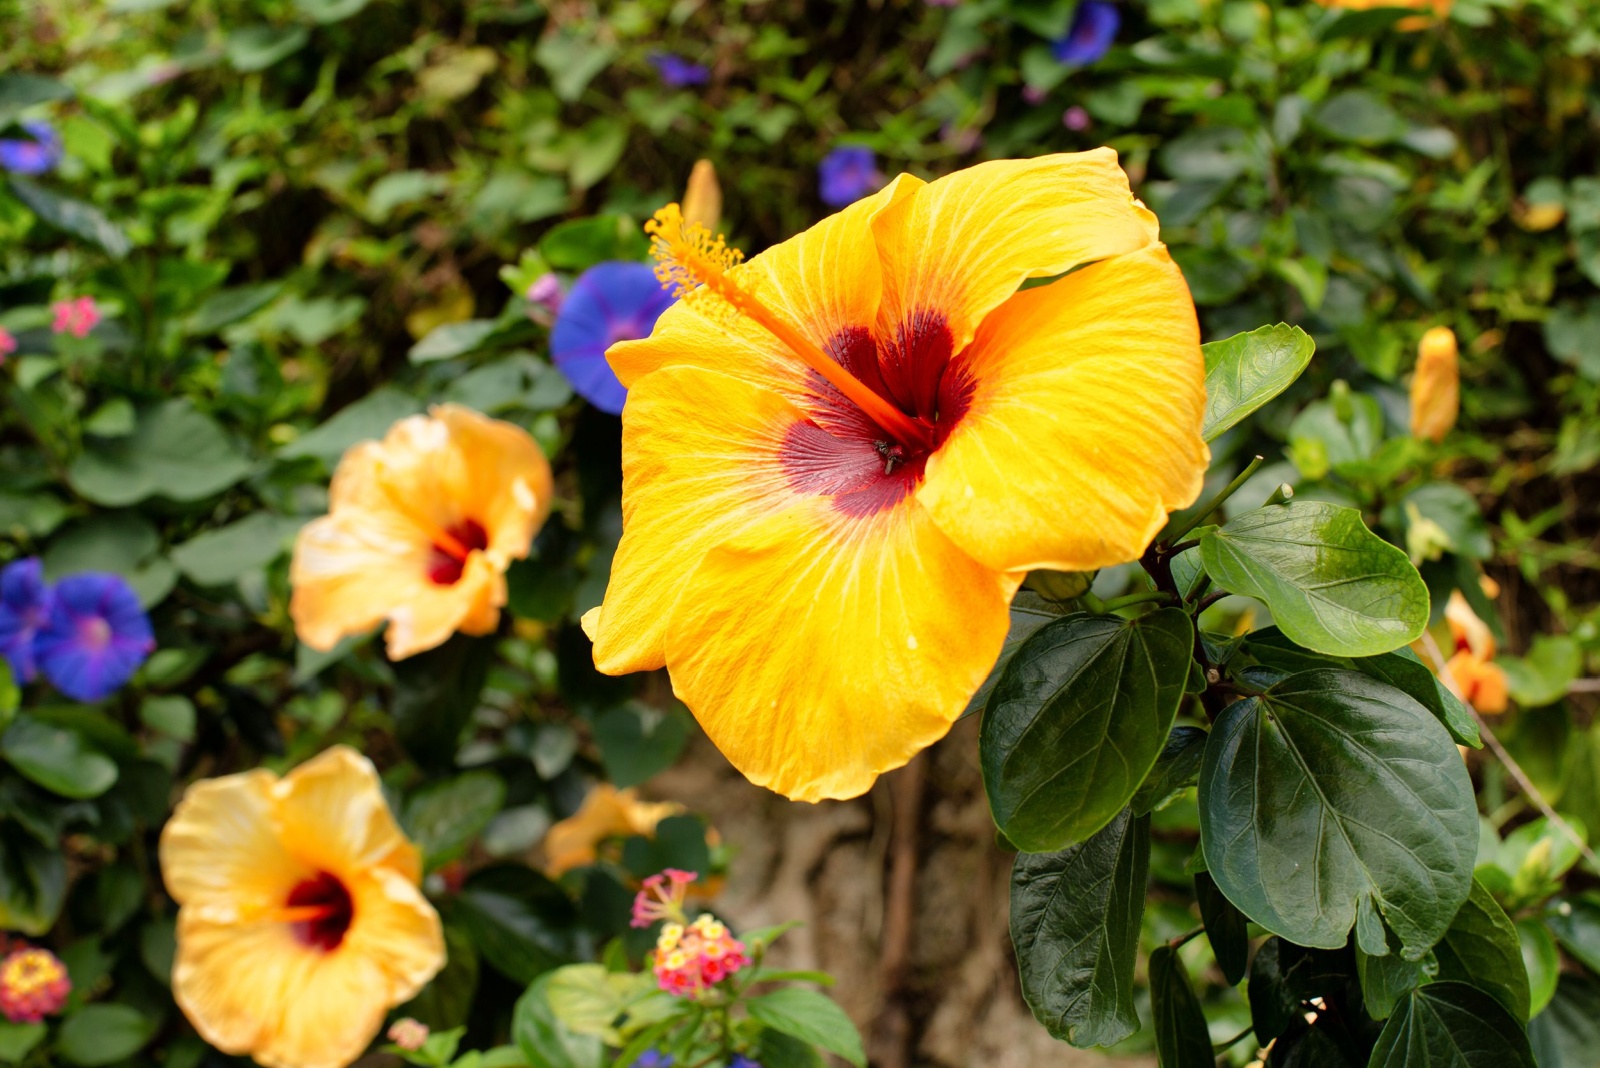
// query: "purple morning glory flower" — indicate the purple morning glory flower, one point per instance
point(847, 174)
point(24, 607)
point(1094, 28)
point(653, 1058)
point(36, 154)
point(677, 72)
point(741, 1061)
point(610, 302)
point(95, 637)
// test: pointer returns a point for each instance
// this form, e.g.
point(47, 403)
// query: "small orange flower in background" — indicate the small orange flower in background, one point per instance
point(841, 458)
point(300, 921)
point(1436, 386)
point(702, 198)
point(1480, 681)
point(33, 984)
point(606, 813)
point(421, 528)
point(1439, 9)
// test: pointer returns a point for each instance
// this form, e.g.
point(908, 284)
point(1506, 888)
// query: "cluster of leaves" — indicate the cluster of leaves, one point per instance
point(1317, 759)
point(295, 214)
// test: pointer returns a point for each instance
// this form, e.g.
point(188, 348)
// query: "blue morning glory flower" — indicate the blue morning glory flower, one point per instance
point(677, 72)
point(36, 154)
point(741, 1061)
point(847, 174)
point(610, 302)
point(24, 607)
point(95, 636)
point(1094, 28)
point(653, 1058)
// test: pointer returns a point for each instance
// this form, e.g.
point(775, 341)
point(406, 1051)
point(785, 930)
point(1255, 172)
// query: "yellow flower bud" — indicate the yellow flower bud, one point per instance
point(702, 199)
point(1436, 386)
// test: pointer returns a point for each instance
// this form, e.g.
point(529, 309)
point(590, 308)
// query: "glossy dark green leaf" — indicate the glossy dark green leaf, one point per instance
point(521, 922)
point(57, 758)
point(1567, 1033)
point(1176, 768)
point(17, 1040)
point(104, 1033)
point(1274, 1003)
point(1299, 793)
point(436, 693)
point(33, 883)
point(1386, 980)
point(444, 817)
point(1402, 670)
point(1078, 720)
point(450, 340)
point(545, 1040)
point(637, 741)
point(1451, 1025)
point(1029, 612)
point(810, 1017)
point(1075, 918)
point(1543, 675)
point(368, 419)
point(1182, 1040)
point(223, 555)
point(1247, 370)
point(1481, 948)
point(73, 216)
point(1541, 960)
point(253, 48)
point(1333, 586)
point(1226, 928)
point(1575, 922)
point(18, 92)
point(175, 452)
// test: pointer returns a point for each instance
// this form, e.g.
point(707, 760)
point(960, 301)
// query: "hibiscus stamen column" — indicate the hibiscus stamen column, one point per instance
point(688, 256)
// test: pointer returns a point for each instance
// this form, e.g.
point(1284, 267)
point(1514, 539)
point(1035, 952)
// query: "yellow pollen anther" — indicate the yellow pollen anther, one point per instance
point(696, 265)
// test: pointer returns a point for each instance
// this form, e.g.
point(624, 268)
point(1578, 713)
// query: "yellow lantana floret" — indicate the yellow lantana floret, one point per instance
point(300, 920)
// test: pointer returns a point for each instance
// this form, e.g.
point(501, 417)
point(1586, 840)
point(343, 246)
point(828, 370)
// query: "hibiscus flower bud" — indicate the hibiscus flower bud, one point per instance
point(1436, 386)
point(702, 199)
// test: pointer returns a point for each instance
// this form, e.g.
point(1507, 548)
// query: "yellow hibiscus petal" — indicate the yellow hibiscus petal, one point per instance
point(396, 928)
point(1083, 430)
point(220, 852)
point(825, 281)
point(819, 649)
point(963, 244)
point(332, 814)
point(504, 480)
point(701, 459)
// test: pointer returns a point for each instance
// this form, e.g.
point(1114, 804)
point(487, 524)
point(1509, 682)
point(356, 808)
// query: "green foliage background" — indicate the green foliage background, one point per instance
point(297, 215)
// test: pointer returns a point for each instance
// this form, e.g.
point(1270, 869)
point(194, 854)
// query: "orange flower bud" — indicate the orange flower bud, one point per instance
point(702, 199)
point(1436, 386)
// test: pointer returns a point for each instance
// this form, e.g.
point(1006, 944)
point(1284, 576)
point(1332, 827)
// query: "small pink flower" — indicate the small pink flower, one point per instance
point(8, 344)
point(408, 1034)
point(1033, 94)
point(546, 293)
point(1075, 118)
point(33, 985)
point(76, 317)
point(662, 897)
point(689, 960)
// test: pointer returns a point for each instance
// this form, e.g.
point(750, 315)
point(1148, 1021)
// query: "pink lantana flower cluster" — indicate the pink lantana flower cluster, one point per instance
point(33, 985)
point(689, 958)
point(76, 317)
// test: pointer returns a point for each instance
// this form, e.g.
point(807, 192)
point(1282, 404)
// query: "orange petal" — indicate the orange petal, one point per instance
point(220, 852)
point(1084, 426)
point(332, 814)
point(960, 246)
point(700, 460)
point(1436, 386)
point(819, 650)
point(825, 281)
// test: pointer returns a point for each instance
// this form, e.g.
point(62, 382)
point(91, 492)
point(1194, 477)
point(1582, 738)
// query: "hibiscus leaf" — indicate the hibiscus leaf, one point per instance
point(1332, 585)
point(1247, 370)
point(1078, 720)
point(1182, 1040)
point(174, 451)
point(1226, 928)
point(1452, 1025)
point(1481, 948)
point(1298, 795)
point(1029, 612)
point(1075, 919)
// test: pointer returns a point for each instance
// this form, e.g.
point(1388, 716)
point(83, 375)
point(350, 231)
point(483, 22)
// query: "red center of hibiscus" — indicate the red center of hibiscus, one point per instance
point(843, 453)
point(323, 910)
point(450, 552)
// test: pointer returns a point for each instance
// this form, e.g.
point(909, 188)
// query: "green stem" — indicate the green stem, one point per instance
point(1135, 598)
point(1182, 940)
point(1216, 502)
point(1235, 1040)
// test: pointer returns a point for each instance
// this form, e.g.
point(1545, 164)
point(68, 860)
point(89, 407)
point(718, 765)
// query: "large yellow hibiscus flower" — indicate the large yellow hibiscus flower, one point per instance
point(841, 458)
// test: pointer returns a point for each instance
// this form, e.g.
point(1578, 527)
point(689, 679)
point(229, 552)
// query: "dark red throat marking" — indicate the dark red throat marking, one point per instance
point(841, 452)
point(324, 892)
point(446, 563)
